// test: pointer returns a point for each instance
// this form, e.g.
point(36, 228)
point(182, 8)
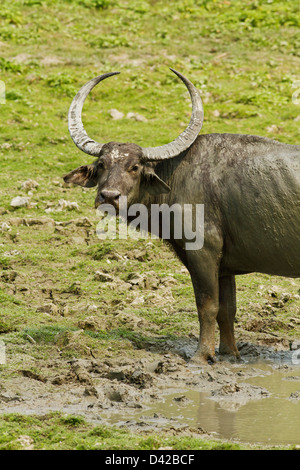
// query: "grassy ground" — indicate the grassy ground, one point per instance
point(60, 432)
point(244, 57)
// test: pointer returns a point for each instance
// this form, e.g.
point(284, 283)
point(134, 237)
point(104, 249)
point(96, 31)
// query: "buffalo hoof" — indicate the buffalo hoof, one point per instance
point(231, 352)
point(202, 358)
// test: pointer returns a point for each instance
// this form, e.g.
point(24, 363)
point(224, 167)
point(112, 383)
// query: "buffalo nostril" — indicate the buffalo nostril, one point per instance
point(116, 195)
point(110, 195)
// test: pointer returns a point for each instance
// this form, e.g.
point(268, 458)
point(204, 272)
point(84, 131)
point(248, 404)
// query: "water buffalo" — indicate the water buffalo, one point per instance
point(250, 190)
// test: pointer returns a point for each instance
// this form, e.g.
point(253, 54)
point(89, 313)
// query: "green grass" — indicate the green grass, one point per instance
point(244, 58)
point(56, 431)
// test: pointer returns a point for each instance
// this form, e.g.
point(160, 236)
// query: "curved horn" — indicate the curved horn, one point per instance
point(187, 137)
point(181, 143)
point(76, 129)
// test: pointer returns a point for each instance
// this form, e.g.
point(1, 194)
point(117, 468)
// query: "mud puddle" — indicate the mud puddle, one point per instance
point(271, 417)
point(255, 401)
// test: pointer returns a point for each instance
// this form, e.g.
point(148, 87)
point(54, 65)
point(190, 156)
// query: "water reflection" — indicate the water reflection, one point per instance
point(273, 419)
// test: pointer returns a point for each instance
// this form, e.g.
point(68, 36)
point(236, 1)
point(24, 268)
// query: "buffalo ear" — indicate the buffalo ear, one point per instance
point(84, 176)
point(153, 184)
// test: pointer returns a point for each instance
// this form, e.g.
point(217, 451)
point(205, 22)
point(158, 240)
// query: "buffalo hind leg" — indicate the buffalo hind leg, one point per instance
point(226, 315)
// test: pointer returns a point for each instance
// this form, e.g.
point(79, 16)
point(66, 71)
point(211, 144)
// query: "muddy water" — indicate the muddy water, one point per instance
point(254, 401)
point(273, 418)
point(276, 419)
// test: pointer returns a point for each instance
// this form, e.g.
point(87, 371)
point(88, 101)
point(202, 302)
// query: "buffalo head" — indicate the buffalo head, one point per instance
point(119, 171)
point(124, 169)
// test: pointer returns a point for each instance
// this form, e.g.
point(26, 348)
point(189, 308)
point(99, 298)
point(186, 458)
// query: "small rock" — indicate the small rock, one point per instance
point(19, 201)
point(59, 230)
point(206, 97)
point(278, 304)
point(77, 240)
point(12, 253)
point(5, 227)
point(115, 114)
point(74, 288)
point(49, 308)
point(228, 389)
point(63, 204)
point(169, 281)
point(272, 129)
point(6, 396)
point(29, 185)
point(92, 308)
point(72, 339)
point(216, 113)
point(30, 338)
point(9, 276)
point(152, 281)
point(136, 279)
point(51, 60)
point(138, 117)
point(138, 300)
point(139, 255)
point(84, 222)
point(92, 323)
point(26, 442)
point(130, 320)
point(81, 374)
point(21, 58)
point(65, 311)
point(91, 391)
point(33, 375)
point(140, 379)
point(182, 400)
point(274, 291)
point(31, 77)
point(294, 396)
point(6, 145)
point(38, 221)
point(103, 277)
point(295, 345)
point(285, 296)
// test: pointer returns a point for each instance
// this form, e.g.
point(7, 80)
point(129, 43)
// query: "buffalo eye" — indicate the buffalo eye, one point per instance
point(100, 165)
point(134, 169)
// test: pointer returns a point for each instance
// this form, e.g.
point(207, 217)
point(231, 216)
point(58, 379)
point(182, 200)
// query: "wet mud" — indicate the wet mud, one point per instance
point(255, 400)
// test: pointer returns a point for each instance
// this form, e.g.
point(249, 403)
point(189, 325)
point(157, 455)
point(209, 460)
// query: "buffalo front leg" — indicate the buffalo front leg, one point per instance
point(226, 315)
point(204, 277)
point(207, 313)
